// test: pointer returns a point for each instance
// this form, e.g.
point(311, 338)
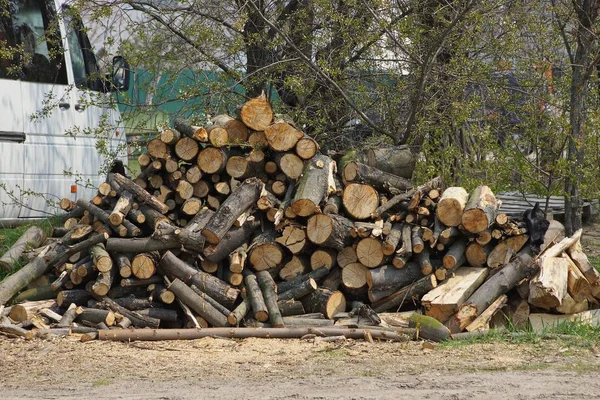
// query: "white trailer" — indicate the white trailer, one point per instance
point(51, 97)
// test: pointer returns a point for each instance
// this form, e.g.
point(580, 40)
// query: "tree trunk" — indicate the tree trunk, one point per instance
point(257, 300)
point(329, 230)
point(282, 136)
point(235, 238)
point(451, 205)
point(264, 252)
point(31, 238)
point(480, 210)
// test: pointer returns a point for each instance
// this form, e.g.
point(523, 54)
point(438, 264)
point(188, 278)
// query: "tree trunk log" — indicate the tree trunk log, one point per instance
point(325, 301)
point(143, 195)
point(31, 238)
point(360, 201)
point(232, 240)
point(191, 131)
point(257, 113)
point(282, 136)
point(257, 301)
point(370, 252)
point(264, 252)
point(407, 295)
point(480, 210)
point(505, 250)
point(269, 290)
point(397, 160)
point(329, 230)
point(451, 205)
point(314, 185)
point(380, 180)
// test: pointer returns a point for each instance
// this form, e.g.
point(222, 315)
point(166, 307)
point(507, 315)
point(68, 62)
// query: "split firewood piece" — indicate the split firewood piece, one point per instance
point(282, 136)
point(314, 185)
point(329, 230)
point(325, 301)
point(257, 301)
point(323, 258)
point(370, 252)
point(264, 252)
point(257, 113)
point(578, 286)
point(548, 288)
point(455, 257)
point(243, 197)
point(293, 238)
point(232, 240)
point(360, 200)
point(570, 306)
point(480, 210)
point(451, 205)
point(243, 167)
point(409, 294)
point(346, 256)
point(237, 132)
point(482, 322)
point(444, 300)
point(195, 132)
point(32, 238)
point(307, 148)
point(143, 195)
point(387, 279)
point(297, 266)
point(505, 250)
point(405, 249)
point(581, 261)
point(358, 172)
point(187, 148)
point(212, 286)
point(269, 291)
point(477, 255)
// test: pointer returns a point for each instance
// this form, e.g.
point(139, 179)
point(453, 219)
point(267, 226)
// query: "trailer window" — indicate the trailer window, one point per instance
point(30, 46)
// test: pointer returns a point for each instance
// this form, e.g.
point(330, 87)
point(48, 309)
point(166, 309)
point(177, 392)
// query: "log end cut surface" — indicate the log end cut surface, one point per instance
point(360, 200)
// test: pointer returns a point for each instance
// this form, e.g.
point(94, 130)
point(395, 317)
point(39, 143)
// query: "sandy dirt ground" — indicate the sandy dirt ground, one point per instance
point(276, 369)
point(213, 368)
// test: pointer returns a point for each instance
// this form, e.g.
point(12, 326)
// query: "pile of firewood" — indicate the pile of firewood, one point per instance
point(245, 223)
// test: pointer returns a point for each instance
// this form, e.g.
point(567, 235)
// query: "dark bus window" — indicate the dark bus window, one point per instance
point(34, 40)
point(83, 61)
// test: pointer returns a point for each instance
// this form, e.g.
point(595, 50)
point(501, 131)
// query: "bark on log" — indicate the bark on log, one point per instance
point(304, 288)
point(380, 180)
point(32, 238)
point(232, 240)
point(239, 313)
point(370, 252)
point(297, 266)
point(121, 209)
point(329, 230)
point(191, 131)
point(477, 254)
point(397, 160)
point(293, 238)
point(143, 195)
point(391, 278)
point(451, 205)
point(317, 275)
point(256, 298)
point(505, 250)
point(269, 291)
point(455, 257)
point(139, 321)
point(410, 294)
point(291, 307)
point(480, 210)
point(307, 148)
point(290, 164)
point(197, 303)
point(264, 252)
point(325, 301)
point(143, 265)
point(237, 132)
point(314, 186)
point(214, 287)
point(241, 199)
point(282, 136)
point(392, 240)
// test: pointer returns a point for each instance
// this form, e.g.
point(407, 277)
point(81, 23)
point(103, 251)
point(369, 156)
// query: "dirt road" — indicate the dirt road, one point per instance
point(276, 369)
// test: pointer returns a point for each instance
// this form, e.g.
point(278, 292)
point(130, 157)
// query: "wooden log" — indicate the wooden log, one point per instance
point(323, 258)
point(380, 180)
point(354, 277)
point(425, 262)
point(32, 238)
point(291, 307)
point(397, 160)
point(391, 279)
point(214, 287)
point(325, 301)
point(264, 252)
point(480, 210)
point(314, 186)
point(143, 265)
point(429, 328)
point(44, 292)
point(297, 266)
point(157, 148)
point(329, 230)
point(307, 148)
point(104, 282)
point(360, 200)
point(217, 136)
point(100, 258)
point(77, 296)
point(477, 254)
point(304, 288)
point(197, 303)
point(238, 314)
point(143, 195)
point(455, 257)
point(282, 136)
point(257, 113)
point(409, 294)
point(96, 316)
point(129, 335)
point(121, 209)
point(548, 287)
point(170, 135)
point(317, 275)
point(293, 238)
point(138, 320)
point(346, 256)
point(289, 164)
point(240, 167)
point(212, 160)
point(392, 240)
point(240, 200)
point(583, 263)
point(68, 317)
point(268, 288)
point(195, 132)
point(505, 250)
point(416, 240)
point(451, 206)
point(257, 301)
point(578, 286)
point(370, 252)
point(237, 259)
point(237, 132)
point(235, 238)
point(445, 299)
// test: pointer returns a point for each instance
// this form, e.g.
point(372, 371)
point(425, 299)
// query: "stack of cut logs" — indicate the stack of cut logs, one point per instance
point(245, 223)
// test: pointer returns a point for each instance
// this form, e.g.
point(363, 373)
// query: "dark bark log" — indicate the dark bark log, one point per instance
point(138, 320)
point(195, 132)
point(329, 230)
point(232, 240)
point(256, 298)
point(380, 180)
point(385, 280)
point(317, 275)
point(325, 301)
point(410, 295)
point(268, 288)
point(304, 288)
point(264, 252)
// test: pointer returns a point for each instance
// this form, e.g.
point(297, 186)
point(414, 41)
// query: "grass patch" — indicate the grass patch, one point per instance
point(595, 260)
point(101, 382)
